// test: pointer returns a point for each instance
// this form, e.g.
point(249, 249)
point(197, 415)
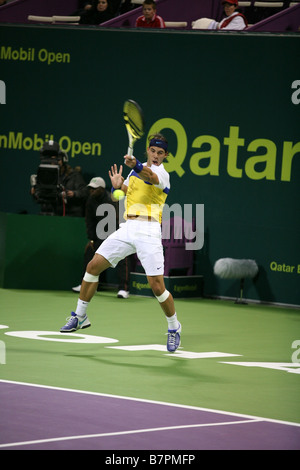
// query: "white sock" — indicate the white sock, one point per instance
point(173, 323)
point(81, 308)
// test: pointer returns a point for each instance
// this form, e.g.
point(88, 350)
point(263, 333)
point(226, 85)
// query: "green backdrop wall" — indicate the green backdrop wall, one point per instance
point(228, 103)
point(41, 252)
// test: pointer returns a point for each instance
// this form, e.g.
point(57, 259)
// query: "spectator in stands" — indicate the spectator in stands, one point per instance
point(96, 12)
point(232, 21)
point(99, 196)
point(84, 5)
point(149, 19)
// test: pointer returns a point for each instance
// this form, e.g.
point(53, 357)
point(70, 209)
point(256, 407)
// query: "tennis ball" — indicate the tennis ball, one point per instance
point(118, 194)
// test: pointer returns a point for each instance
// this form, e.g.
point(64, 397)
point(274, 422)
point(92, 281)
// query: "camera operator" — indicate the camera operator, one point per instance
point(60, 189)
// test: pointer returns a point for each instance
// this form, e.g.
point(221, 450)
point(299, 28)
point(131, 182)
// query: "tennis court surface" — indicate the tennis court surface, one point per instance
point(234, 383)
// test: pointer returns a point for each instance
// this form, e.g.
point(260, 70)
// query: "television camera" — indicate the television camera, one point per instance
point(46, 183)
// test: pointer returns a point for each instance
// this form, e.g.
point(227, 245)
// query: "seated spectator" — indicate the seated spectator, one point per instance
point(87, 5)
point(149, 19)
point(96, 12)
point(233, 20)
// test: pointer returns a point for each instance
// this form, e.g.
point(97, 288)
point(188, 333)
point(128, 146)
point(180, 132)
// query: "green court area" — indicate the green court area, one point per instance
point(234, 358)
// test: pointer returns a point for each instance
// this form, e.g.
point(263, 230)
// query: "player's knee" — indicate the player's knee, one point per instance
point(97, 265)
point(90, 277)
point(158, 288)
point(92, 268)
point(163, 297)
point(157, 285)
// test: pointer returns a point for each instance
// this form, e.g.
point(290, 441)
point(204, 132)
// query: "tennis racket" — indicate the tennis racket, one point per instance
point(134, 122)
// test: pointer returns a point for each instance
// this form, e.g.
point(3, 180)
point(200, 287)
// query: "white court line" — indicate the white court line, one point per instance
point(142, 400)
point(122, 433)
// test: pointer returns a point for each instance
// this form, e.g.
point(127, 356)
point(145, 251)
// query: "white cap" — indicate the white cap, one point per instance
point(97, 182)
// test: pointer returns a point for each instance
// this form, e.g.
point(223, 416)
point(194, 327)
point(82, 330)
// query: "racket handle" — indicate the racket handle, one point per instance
point(130, 152)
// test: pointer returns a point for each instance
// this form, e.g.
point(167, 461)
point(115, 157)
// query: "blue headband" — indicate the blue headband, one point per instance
point(158, 143)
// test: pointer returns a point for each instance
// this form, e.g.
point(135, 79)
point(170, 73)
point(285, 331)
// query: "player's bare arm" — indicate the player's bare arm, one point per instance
point(146, 174)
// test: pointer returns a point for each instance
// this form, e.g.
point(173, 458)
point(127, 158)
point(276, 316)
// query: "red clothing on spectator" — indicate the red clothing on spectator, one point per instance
point(156, 22)
point(226, 21)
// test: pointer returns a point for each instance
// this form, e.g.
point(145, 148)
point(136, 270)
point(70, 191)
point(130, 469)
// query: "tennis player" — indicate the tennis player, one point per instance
point(146, 188)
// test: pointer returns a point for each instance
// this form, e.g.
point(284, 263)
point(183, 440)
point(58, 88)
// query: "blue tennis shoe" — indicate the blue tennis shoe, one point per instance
point(75, 323)
point(174, 339)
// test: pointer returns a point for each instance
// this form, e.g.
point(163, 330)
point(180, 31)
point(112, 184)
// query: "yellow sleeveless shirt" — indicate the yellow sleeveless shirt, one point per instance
point(146, 199)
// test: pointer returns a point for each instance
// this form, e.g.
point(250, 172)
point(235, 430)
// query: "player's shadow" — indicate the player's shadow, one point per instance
point(178, 366)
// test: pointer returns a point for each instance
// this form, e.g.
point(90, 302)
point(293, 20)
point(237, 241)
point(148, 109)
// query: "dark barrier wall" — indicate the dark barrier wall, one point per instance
point(228, 103)
point(41, 252)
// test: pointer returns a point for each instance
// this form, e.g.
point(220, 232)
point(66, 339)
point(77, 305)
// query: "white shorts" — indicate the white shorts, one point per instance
point(140, 237)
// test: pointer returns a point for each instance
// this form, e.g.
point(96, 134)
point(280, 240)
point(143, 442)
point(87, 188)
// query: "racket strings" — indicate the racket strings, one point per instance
point(135, 124)
point(134, 119)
